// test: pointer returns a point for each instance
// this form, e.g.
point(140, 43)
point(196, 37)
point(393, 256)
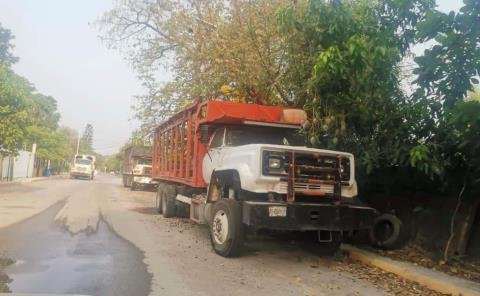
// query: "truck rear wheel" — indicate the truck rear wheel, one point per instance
point(158, 198)
point(168, 201)
point(226, 227)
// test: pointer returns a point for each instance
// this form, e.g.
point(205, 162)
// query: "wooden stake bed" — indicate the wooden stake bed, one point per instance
point(177, 150)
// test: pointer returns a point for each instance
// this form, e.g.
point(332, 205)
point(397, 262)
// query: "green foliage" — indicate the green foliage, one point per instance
point(446, 75)
point(14, 105)
point(88, 134)
point(51, 144)
point(214, 45)
point(28, 117)
point(353, 82)
point(114, 163)
point(339, 60)
point(448, 70)
point(463, 146)
point(44, 111)
point(6, 56)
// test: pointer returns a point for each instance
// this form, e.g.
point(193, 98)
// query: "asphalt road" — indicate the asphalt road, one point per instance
point(98, 238)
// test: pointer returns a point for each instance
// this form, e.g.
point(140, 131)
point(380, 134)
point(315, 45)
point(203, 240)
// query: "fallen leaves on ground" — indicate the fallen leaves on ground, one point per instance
point(419, 256)
point(389, 282)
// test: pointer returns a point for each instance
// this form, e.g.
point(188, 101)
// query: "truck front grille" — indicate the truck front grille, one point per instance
point(306, 187)
point(309, 174)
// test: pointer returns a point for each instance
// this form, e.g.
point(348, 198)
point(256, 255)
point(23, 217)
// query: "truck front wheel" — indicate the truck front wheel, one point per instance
point(226, 227)
point(168, 201)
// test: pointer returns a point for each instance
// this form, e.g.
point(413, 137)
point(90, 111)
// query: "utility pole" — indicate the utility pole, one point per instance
point(78, 143)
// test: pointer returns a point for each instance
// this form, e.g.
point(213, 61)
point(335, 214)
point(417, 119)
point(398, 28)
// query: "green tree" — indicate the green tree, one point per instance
point(449, 69)
point(87, 138)
point(447, 72)
point(345, 56)
point(6, 46)
point(114, 162)
point(14, 105)
point(44, 111)
point(230, 50)
point(14, 102)
point(26, 116)
point(52, 145)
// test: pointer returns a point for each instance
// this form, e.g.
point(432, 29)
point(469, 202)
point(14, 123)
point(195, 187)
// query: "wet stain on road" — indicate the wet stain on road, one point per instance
point(50, 260)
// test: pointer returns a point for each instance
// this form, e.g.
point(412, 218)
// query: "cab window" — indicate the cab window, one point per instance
point(217, 139)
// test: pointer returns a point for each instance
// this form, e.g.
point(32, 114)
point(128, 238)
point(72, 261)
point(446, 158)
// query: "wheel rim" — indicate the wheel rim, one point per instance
point(220, 227)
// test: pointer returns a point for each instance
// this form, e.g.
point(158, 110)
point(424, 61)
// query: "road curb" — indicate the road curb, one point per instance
point(432, 279)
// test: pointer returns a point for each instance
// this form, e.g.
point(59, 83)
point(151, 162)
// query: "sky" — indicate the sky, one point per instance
point(61, 54)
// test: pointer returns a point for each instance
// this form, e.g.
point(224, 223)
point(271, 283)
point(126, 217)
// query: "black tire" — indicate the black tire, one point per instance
point(168, 201)
point(158, 199)
point(133, 187)
point(386, 232)
point(231, 244)
point(330, 248)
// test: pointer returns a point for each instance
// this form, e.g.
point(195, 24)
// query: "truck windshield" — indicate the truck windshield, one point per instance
point(245, 135)
point(83, 161)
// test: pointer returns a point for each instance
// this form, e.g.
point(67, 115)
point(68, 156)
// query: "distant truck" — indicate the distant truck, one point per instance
point(137, 168)
point(83, 167)
point(236, 166)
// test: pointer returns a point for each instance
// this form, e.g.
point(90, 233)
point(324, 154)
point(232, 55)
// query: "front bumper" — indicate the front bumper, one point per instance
point(81, 174)
point(308, 216)
point(143, 180)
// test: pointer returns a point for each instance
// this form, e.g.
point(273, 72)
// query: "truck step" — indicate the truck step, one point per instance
point(197, 209)
point(184, 199)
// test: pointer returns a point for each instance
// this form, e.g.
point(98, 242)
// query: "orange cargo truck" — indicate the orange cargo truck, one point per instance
point(236, 166)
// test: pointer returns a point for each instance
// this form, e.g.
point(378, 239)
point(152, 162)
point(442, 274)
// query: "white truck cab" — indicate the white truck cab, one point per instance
point(83, 167)
point(259, 155)
point(142, 177)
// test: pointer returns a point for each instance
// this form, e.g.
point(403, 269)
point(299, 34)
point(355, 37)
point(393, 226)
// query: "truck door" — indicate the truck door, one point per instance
point(213, 160)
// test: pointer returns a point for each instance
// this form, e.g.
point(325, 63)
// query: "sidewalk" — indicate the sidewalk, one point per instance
point(432, 279)
point(35, 179)
point(22, 294)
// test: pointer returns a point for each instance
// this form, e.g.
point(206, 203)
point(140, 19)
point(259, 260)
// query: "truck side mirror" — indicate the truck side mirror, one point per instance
point(204, 139)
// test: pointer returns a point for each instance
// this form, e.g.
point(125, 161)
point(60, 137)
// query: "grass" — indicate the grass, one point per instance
point(4, 279)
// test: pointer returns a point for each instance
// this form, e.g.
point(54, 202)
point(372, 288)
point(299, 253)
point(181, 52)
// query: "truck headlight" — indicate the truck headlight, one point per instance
point(274, 163)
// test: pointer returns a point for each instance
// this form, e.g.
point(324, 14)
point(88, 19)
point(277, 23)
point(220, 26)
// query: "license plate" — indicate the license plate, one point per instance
point(277, 211)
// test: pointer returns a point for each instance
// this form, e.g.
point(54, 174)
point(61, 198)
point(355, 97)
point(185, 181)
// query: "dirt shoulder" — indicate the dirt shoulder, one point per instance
point(420, 257)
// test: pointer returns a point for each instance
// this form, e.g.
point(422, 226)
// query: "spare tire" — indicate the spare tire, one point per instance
point(386, 232)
